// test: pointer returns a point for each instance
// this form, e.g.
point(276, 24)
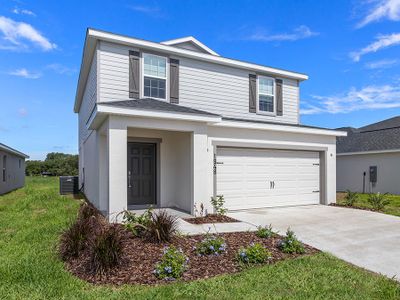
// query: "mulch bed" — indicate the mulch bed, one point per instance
point(211, 218)
point(141, 257)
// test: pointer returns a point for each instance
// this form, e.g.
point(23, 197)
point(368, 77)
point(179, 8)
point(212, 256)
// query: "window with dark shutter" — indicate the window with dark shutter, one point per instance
point(174, 80)
point(279, 97)
point(134, 74)
point(252, 93)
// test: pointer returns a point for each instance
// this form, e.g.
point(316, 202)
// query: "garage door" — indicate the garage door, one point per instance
point(254, 178)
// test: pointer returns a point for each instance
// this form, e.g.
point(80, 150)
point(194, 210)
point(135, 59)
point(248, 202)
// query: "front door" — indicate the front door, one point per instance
point(141, 174)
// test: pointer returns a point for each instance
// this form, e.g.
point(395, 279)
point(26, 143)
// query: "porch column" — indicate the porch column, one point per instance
point(330, 158)
point(199, 160)
point(117, 166)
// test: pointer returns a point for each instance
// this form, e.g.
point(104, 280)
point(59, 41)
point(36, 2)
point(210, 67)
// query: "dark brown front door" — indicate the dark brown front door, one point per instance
point(141, 174)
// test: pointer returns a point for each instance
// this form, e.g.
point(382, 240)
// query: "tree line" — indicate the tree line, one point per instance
point(55, 164)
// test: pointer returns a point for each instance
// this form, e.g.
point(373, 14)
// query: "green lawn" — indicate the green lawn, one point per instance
point(393, 208)
point(31, 219)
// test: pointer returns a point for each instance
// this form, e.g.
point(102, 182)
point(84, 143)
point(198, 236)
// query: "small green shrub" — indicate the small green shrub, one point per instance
point(378, 201)
point(106, 249)
point(162, 227)
point(211, 245)
point(253, 254)
point(265, 232)
point(172, 265)
point(290, 243)
point(137, 224)
point(218, 203)
point(350, 198)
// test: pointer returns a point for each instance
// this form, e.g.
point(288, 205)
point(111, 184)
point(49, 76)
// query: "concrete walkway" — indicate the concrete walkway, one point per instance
point(366, 239)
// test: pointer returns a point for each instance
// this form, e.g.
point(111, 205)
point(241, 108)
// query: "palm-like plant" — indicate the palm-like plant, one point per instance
point(351, 198)
point(378, 201)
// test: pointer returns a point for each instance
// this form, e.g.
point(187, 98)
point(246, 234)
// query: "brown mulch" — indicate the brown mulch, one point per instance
point(141, 257)
point(211, 218)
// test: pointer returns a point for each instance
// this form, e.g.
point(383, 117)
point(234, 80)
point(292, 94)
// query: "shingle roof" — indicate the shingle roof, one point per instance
point(157, 105)
point(384, 135)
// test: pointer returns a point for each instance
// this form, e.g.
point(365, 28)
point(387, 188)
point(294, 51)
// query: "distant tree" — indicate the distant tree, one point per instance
point(56, 164)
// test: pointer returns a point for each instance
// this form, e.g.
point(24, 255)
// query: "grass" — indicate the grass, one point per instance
point(393, 208)
point(32, 218)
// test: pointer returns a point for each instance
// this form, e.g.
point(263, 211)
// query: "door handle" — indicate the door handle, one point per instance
point(129, 179)
point(273, 184)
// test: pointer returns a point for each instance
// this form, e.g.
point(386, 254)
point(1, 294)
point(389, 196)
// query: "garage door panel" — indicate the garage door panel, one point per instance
point(244, 175)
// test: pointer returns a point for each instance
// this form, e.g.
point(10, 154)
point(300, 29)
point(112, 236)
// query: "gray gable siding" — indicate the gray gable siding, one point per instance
point(205, 86)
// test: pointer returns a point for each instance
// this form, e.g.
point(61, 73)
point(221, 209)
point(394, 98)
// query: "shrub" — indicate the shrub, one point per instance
point(378, 201)
point(106, 249)
point(350, 198)
point(290, 243)
point(162, 227)
point(172, 265)
point(253, 254)
point(87, 210)
point(218, 204)
point(137, 224)
point(211, 245)
point(73, 240)
point(265, 232)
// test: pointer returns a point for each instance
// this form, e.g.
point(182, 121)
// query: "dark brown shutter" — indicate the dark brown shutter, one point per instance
point(134, 74)
point(252, 93)
point(174, 80)
point(279, 97)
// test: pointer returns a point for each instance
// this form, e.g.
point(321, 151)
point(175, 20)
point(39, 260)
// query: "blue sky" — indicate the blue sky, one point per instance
point(350, 50)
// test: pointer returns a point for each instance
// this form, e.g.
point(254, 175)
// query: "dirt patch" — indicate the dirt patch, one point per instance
point(141, 257)
point(355, 207)
point(211, 218)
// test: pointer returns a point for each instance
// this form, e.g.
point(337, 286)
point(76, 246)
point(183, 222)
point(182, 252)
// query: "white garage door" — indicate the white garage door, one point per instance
point(253, 178)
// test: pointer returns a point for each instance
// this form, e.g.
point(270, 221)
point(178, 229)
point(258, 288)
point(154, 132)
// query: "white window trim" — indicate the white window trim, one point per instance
point(158, 77)
point(261, 112)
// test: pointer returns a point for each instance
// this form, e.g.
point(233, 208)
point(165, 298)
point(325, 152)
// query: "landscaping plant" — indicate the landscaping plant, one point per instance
point(162, 227)
point(253, 254)
point(290, 243)
point(351, 198)
point(137, 223)
point(73, 240)
point(265, 232)
point(211, 245)
point(378, 201)
point(218, 203)
point(106, 249)
point(172, 265)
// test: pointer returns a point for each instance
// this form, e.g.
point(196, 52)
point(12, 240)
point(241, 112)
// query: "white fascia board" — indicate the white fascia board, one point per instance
point(192, 40)
point(279, 127)
point(115, 38)
point(103, 110)
point(368, 152)
point(10, 150)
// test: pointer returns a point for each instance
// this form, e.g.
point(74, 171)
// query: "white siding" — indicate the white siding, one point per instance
point(205, 86)
point(15, 172)
point(350, 169)
point(88, 101)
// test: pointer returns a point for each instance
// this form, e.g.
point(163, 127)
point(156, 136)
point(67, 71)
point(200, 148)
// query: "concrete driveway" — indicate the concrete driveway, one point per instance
point(366, 239)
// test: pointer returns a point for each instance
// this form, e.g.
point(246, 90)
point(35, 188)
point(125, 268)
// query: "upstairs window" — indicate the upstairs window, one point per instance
point(4, 168)
point(266, 94)
point(154, 76)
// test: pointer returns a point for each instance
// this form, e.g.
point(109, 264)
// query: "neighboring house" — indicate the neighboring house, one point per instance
point(368, 159)
point(171, 124)
point(12, 168)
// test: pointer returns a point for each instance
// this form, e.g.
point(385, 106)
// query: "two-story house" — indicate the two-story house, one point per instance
point(171, 124)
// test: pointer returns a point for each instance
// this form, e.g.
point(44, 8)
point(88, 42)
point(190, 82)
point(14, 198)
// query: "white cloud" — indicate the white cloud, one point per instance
point(369, 97)
point(382, 41)
point(15, 34)
point(383, 9)
point(152, 11)
point(301, 32)
point(23, 112)
point(61, 69)
point(18, 11)
point(25, 73)
point(381, 64)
